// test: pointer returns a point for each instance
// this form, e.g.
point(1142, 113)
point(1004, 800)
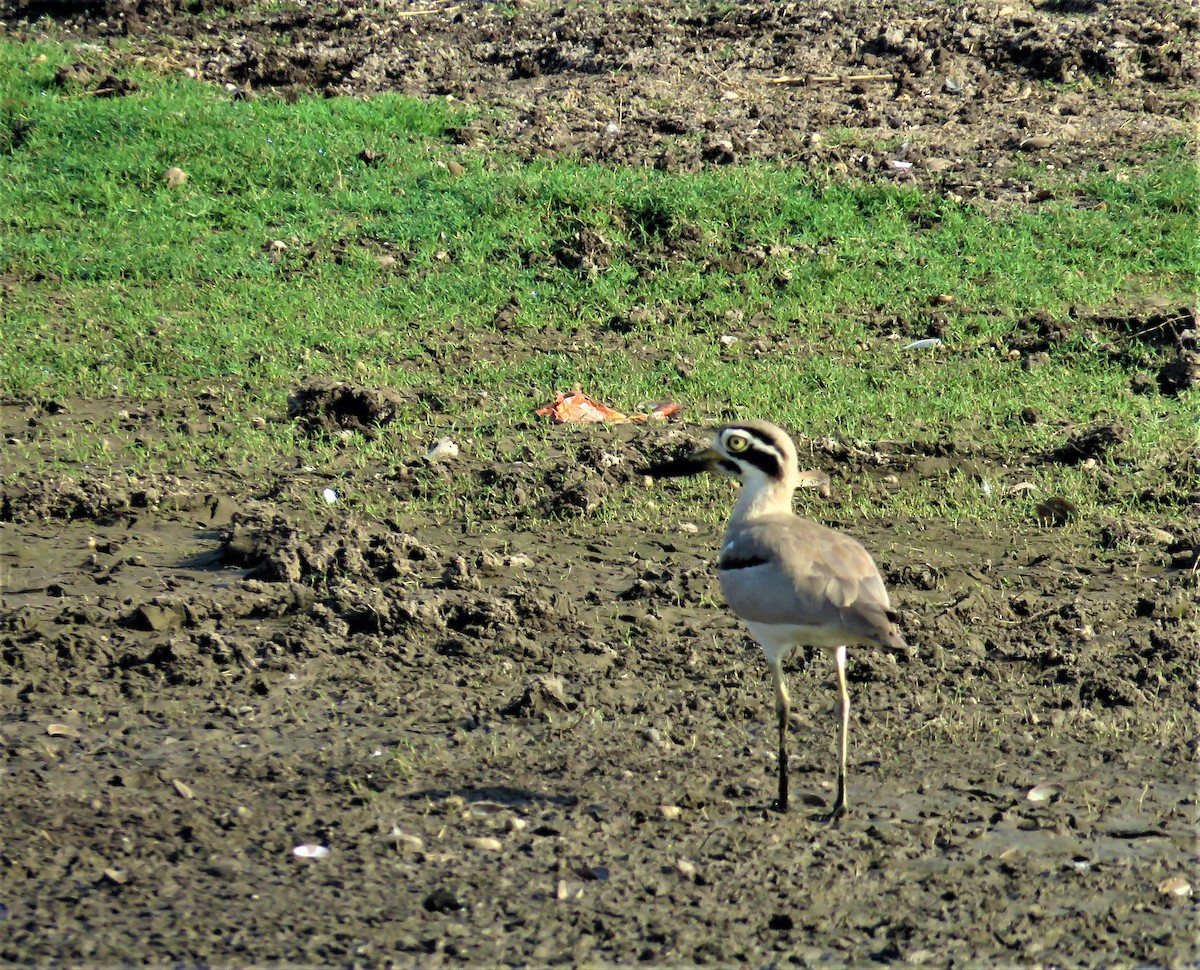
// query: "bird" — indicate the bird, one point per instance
point(793, 582)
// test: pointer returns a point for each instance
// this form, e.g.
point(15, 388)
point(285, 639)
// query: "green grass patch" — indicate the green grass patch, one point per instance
point(332, 237)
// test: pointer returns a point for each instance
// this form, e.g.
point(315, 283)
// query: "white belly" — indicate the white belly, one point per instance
point(780, 639)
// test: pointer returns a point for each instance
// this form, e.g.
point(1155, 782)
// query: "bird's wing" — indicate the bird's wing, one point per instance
point(787, 570)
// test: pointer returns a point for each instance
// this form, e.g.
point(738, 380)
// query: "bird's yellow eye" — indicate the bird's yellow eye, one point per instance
point(737, 443)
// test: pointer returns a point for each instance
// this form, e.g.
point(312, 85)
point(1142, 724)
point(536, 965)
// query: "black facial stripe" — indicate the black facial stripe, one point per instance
point(731, 467)
point(765, 461)
point(740, 562)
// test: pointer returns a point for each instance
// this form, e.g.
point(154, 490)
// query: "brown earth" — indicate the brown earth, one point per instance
point(540, 739)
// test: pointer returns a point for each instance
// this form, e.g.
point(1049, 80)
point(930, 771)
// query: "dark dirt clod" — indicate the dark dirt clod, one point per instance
point(1182, 374)
point(333, 406)
point(1095, 442)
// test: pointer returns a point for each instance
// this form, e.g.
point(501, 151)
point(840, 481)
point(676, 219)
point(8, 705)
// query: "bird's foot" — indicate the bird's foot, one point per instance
point(832, 817)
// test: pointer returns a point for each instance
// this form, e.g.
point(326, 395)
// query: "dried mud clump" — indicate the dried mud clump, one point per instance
point(70, 499)
point(276, 550)
point(542, 698)
point(333, 407)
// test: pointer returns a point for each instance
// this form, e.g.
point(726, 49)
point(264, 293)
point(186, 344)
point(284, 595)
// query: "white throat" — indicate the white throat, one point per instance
point(761, 496)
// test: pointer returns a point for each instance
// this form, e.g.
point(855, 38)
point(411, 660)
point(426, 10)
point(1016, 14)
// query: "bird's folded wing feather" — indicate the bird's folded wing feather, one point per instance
point(790, 570)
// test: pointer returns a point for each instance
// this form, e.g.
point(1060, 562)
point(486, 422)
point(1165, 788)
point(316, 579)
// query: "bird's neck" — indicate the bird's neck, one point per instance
point(758, 499)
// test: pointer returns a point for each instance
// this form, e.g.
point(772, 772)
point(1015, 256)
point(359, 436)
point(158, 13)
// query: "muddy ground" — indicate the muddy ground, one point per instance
point(541, 740)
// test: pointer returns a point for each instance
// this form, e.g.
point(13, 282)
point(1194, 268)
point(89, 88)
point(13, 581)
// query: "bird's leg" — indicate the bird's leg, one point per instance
point(782, 707)
point(839, 804)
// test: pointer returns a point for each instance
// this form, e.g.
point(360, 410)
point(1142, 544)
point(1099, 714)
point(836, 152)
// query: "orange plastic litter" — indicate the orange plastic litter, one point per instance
point(576, 407)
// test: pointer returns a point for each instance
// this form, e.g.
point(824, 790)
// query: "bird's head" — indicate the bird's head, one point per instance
point(757, 453)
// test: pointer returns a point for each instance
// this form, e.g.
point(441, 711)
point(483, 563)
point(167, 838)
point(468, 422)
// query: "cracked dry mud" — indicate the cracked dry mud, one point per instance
point(542, 739)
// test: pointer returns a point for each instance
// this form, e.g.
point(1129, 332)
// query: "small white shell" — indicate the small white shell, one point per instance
point(308, 850)
point(404, 840)
point(1040, 794)
point(330, 495)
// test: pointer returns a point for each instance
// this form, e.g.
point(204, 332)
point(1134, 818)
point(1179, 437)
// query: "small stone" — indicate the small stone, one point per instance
point(670, 812)
point(486, 843)
point(441, 450)
point(564, 891)
point(1175, 886)
point(1036, 143)
point(174, 177)
point(936, 165)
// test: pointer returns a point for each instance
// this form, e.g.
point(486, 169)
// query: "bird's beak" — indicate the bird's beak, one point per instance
point(684, 466)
